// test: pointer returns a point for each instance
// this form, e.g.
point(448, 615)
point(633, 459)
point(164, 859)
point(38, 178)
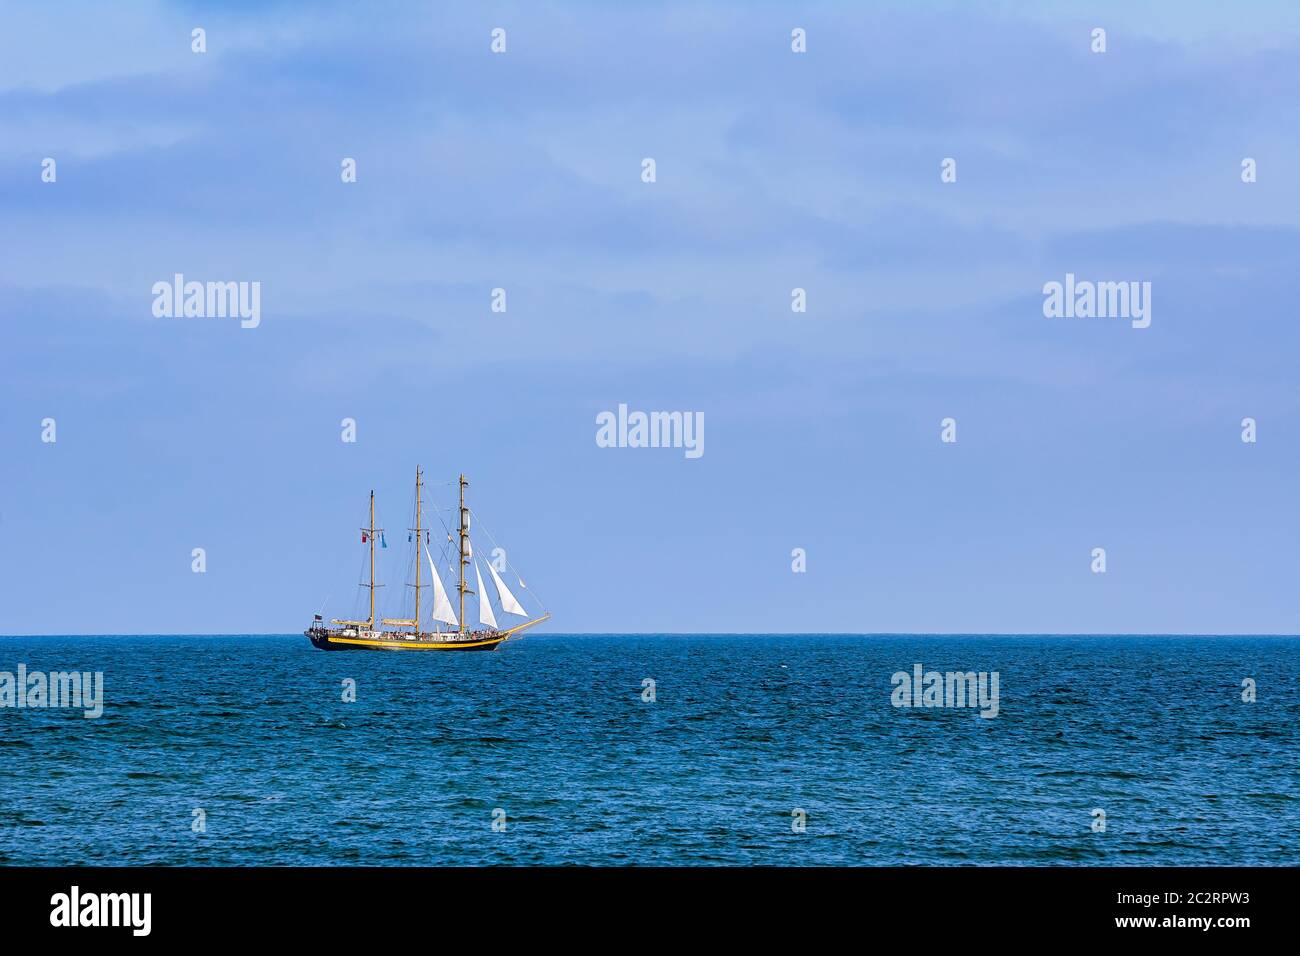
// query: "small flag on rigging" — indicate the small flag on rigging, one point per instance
point(383, 541)
point(364, 539)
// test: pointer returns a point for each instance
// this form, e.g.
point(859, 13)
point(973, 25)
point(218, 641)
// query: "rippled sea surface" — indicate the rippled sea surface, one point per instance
point(745, 729)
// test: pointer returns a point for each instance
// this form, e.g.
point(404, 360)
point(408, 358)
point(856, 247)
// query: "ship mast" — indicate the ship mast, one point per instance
point(464, 534)
point(371, 622)
point(418, 545)
point(367, 534)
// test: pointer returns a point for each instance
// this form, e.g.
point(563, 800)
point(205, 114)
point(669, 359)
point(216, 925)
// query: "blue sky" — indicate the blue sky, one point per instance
point(774, 171)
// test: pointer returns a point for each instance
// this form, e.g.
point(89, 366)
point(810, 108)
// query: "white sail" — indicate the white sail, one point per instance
point(485, 615)
point(441, 606)
point(508, 602)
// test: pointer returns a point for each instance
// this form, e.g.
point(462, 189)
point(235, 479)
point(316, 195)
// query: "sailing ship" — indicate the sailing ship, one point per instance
point(447, 630)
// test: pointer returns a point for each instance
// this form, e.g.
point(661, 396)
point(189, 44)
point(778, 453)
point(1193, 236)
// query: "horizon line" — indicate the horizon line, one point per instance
point(734, 634)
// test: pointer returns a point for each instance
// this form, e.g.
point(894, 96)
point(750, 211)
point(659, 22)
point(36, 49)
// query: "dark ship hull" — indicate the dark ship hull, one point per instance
point(330, 639)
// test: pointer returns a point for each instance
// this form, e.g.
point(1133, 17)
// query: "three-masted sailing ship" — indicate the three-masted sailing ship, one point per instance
point(446, 631)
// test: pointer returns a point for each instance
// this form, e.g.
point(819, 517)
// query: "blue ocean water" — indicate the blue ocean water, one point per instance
point(744, 730)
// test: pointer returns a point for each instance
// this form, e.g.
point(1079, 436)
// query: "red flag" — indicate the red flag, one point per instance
point(363, 537)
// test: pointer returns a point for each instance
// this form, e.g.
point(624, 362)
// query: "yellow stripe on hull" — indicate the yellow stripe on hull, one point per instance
point(415, 645)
